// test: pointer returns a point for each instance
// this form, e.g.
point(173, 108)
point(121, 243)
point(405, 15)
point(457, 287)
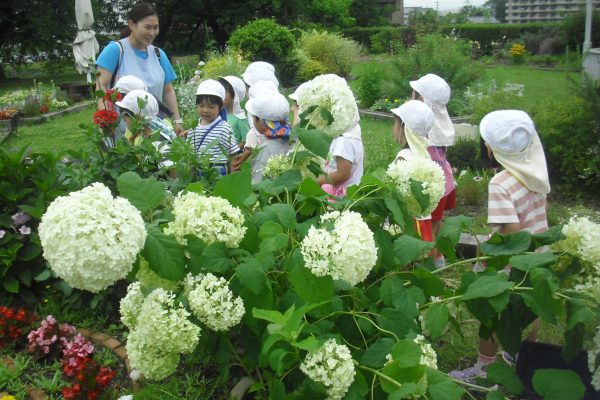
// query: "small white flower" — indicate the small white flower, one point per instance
point(135, 375)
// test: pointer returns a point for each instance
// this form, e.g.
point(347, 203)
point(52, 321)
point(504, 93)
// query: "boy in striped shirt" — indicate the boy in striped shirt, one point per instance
point(213, 135)
point(517, 196)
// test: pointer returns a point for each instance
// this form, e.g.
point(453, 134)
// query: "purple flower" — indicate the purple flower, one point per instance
point(25, 230)
point(20, 218)
point(2, 233)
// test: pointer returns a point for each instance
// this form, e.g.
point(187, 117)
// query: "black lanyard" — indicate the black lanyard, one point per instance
point(206, 134)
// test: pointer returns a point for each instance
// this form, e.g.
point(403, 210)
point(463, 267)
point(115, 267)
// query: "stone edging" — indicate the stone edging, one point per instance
point(51, 115)
point(97, 338)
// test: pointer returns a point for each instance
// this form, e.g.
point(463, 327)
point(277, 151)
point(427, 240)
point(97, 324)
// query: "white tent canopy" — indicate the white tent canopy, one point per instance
point(85, 45)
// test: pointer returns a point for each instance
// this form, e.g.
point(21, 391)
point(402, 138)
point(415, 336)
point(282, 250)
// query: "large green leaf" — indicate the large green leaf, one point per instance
point(552, 235)
point(501, 373)
point(507, 245)
point(406, 353)
point(311, 288)
point(385, 250)
point(396, 321)
point(398, 210)
point(558, 384)
point(527, 262)
point(252, 276)
point(164, 254)
point(446, 390)
point(419, 194)
point(216, 258)
point(408, 249)
point(449, 236)
point(144, 194)
point(235, 187)
point(431, 284)
point(512, 322)
point(394, 294)
point(436, 319)
point(541, 300)
point(284, 214)
point(488, 286)
point(359, 388)
point(495, 395)
point(314, 140)
point(408, 391)
point(376, 354)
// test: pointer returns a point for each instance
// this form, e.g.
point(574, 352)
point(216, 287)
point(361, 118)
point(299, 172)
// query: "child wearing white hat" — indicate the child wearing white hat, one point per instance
point(516, 196)
point(235, 92)
point(435, 92)
point(213, 136)
point(412, 123)
point(269, 111)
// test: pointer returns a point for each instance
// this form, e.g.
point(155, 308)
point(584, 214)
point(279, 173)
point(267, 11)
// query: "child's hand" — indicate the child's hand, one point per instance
point(183, 134)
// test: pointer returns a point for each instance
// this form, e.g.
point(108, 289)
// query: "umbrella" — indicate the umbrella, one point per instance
point(85, 45)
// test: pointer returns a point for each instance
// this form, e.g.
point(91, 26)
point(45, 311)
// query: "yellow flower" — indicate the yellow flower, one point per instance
point(9, 397)
point(396, 101)
point(386, 100)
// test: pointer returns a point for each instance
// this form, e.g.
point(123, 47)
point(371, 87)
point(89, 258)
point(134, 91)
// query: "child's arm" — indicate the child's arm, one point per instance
point(341, 175)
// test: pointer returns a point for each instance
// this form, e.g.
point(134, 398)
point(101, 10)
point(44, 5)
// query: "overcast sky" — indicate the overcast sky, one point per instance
point(445, 5)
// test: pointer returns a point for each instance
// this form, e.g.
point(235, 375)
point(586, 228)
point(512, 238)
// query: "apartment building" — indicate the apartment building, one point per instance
point(521, 11)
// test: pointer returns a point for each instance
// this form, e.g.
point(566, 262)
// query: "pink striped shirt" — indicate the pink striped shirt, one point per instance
point(509, 201)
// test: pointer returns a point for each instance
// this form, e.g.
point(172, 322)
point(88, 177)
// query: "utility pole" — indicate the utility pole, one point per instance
point(587, 44)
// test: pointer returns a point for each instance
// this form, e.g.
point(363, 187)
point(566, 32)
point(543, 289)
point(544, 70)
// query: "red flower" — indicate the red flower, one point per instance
point(105, 376)
point(112, 95)
point(44, 108)
point(105, 118)
point(9, 313)
point(93, 395)
point(72, 392)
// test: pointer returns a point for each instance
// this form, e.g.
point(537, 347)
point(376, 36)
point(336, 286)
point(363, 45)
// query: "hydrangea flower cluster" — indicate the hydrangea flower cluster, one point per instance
point(212, 219)
point(160, 331)
point(332, 93)
point(332, 366)
point(422, 170)
point(342, 247)
point(428, 355)
point(277, 165)
point(593, 354)
point(90, 238)
point(213, 303)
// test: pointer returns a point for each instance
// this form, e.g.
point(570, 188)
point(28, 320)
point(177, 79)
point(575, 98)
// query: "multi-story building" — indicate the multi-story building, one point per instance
point(520, 11)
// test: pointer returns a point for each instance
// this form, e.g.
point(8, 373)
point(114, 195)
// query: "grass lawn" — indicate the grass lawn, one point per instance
point(59, 134)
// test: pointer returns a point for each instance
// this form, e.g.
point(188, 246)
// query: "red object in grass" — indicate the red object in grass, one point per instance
point(105, 118)
point(14, 324)
point(44, 108)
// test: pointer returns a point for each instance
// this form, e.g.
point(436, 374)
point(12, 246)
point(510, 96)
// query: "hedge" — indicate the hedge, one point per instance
point(378, 39)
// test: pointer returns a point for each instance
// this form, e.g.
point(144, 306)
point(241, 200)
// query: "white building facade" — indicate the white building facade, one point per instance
point(522, 11)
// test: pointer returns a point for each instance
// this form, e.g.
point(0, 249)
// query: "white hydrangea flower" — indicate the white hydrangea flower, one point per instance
point(332, 366)
point(428, 356)
point(159, 332)
point(131, 305)
point(277, 165)
point(90, 238)
point(582, 238)
point(422, 170)
point(167, 324)
point(593, 353)
point(148, 358)
point(332, 93)
point(347, 251)
point(214, 304)
point(212, 219)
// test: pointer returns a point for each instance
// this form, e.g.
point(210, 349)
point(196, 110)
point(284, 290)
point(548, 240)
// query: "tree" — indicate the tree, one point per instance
point(498, 9)
point(367, 13)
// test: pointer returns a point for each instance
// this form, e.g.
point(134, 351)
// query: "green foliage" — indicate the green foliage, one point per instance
point(263, 39)
point(334, 52)
point(573, 29)
point(489, 34)
point(464, 154)
point(371, 77)
point(380, 39)
point(310, 68)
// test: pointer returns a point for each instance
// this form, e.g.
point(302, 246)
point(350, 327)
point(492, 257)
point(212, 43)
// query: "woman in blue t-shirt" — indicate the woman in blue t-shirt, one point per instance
point(135, 55)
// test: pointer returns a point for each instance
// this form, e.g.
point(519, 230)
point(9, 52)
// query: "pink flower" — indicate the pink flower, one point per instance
point(25, 230)
point(20, 218)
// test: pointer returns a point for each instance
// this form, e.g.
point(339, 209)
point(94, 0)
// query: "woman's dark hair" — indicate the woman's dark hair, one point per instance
point(210, 99)
point(227, 86)
point(137, 13)
point(487, 161)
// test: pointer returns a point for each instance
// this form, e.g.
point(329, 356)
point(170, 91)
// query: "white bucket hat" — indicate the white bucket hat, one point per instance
point(260, 74)
point(269, 105)
point(130, 102)
point(517, 147)
point(416, 115)
point(127, 83)
point(258, 65)
point(507, 130)
point(239, 87)
point(434, 89)
point(261, 86)
point(212, 88)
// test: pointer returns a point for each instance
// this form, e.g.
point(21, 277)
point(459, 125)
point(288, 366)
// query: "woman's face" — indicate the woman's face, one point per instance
point(145, 30)
point(399, 135)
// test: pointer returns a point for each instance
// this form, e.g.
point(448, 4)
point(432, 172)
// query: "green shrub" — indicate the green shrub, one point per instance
point(263, 39)
point(488, 35)
point(222, 64)
point(471, 188)
point(309, 69)
point(379, 39)
point(496, 100)
point(334, 52)
point(573, 29)
point(464, 154)
point(369, 86)
point(434, 53)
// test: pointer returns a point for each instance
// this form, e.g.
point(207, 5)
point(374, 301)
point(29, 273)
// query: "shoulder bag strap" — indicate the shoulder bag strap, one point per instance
point(114, 75)
point(206, 134)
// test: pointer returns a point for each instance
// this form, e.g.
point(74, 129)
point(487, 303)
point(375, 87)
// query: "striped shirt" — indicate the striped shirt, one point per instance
point(215, 139)
point(509, 201)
